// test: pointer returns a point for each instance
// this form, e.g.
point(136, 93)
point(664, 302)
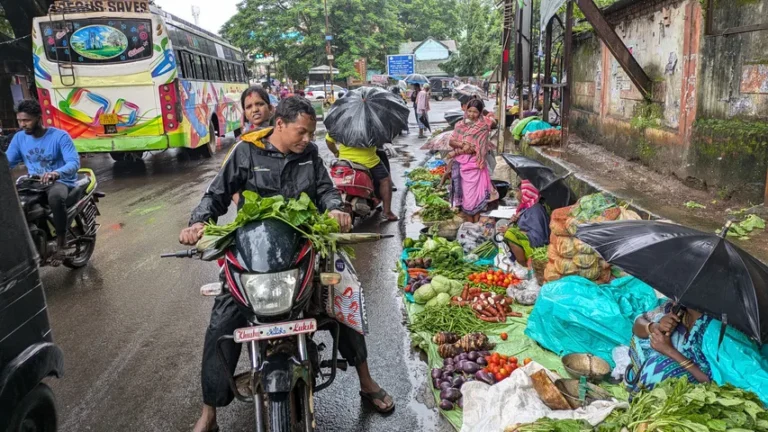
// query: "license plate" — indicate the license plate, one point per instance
point(108, 119)
point(274, 331)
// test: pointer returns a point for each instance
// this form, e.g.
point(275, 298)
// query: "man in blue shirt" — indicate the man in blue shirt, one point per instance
point(50, 154)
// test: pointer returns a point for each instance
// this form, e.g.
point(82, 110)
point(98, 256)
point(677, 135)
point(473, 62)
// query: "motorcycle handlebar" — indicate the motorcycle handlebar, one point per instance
point(189, 253)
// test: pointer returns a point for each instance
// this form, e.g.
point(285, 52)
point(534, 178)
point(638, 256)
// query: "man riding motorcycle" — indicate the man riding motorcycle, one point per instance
point(48, 153)
point(273, 161)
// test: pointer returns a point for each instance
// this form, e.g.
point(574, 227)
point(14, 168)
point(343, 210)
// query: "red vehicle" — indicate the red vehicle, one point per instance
point(355, 183)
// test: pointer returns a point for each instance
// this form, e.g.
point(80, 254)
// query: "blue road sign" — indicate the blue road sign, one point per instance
point(400, 64)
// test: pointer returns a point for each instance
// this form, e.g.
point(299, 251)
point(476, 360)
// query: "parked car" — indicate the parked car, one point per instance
point(318, 91)
point(438, 90)
point(27, 352)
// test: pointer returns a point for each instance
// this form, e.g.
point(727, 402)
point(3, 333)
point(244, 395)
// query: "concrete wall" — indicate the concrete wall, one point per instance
point(729, 143)
point(707, 118)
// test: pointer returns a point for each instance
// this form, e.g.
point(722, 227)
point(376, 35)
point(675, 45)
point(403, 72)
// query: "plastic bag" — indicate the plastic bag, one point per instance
point(574, 314)
point(526, 292)
point(620, 356)
point(520, 272)
point(345, 301)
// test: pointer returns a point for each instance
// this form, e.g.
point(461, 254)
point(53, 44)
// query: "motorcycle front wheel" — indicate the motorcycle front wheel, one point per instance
point(280, 412)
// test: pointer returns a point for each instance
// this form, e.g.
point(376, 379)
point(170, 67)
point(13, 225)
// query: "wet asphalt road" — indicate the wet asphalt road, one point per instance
point(131, 325)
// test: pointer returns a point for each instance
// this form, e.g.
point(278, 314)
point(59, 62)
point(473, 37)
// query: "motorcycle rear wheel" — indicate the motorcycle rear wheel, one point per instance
point(85, 252)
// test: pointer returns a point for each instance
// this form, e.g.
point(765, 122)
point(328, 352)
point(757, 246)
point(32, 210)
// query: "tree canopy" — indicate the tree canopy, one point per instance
point(294, 30)
point(479, 42)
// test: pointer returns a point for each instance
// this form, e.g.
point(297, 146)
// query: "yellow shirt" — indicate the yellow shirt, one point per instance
point(366, 157)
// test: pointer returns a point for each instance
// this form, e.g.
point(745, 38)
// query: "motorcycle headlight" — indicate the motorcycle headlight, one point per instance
point(270, 294)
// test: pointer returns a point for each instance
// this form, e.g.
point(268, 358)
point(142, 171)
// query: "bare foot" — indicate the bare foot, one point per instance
point(206, 422)
point(377, 396)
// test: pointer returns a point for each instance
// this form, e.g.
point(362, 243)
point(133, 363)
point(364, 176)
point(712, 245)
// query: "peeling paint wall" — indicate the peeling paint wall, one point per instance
point(729, 143)
point(709, 113)
point(607, 104)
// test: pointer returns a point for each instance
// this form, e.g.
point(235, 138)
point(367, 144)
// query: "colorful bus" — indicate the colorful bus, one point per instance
point(124, 77)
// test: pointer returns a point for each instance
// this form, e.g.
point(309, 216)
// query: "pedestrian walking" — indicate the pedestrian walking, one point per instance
point(414, 95)
point(422, 110)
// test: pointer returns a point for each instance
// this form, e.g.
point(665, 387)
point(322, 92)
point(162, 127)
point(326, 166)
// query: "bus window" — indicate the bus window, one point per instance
point(98, 40)
point(189, 71)
point(198, 63)
point(213, 69)
point(179, 64)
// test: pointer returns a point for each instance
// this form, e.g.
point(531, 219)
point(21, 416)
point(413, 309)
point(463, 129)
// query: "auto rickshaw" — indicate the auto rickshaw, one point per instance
point(27, 352)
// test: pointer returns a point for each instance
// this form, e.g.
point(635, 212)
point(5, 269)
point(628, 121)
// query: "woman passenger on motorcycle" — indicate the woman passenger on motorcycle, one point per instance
point(369, 158)
point(257, 113)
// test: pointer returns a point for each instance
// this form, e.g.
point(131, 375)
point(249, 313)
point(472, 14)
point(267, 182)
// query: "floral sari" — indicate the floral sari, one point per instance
point(649, 367)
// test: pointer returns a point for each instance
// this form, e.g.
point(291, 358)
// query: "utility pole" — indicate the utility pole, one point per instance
point(504, 75)
point(328, 53)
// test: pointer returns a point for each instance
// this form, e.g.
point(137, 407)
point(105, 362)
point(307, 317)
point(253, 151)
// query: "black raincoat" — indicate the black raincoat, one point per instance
point(253, 164)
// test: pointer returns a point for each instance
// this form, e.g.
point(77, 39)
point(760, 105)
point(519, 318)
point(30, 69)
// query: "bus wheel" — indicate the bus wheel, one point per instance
point(134, 156)
point(209, 149)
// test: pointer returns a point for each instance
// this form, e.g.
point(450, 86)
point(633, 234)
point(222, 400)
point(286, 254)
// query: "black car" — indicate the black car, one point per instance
point(27, 352)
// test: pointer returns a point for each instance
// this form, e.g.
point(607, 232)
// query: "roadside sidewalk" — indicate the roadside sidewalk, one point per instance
point(654, 195)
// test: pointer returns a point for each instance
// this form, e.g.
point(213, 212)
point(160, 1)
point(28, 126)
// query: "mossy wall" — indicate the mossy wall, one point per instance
point(729, 143)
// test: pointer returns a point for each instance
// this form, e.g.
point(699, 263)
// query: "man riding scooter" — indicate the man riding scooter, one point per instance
point(281, 160)
point(48, 153)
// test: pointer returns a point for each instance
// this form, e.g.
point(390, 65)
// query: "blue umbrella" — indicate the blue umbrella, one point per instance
point(416, 79)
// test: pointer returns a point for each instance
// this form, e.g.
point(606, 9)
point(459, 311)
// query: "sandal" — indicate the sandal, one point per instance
point(389, 219)
point(378, 396)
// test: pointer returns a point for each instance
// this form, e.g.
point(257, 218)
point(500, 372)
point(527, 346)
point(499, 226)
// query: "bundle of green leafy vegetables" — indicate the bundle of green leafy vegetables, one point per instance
point(302, 214)
point(422, 174)
point(435, 209)
point(677, 405)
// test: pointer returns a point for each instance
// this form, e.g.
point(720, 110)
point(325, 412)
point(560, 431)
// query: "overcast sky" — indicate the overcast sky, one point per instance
point(213, 13)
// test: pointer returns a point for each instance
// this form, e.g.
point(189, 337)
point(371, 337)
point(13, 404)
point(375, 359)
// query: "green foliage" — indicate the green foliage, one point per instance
point(677, 405)
point(5, 26)
point(718, 137)
point(361, 28)
point(428, 18)
point(319, 228)
point(479, 42)
point(647, 114)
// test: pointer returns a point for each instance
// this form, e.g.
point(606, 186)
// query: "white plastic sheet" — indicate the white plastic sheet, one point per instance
point(548, 10)
point(515, 401)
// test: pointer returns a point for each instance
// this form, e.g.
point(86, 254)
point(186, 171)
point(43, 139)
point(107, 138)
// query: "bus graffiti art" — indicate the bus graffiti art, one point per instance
point(130, 82)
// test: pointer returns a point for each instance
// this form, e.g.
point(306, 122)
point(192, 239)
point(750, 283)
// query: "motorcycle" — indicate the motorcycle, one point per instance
point(280, 285)
point(81, 218)
point(355, 183)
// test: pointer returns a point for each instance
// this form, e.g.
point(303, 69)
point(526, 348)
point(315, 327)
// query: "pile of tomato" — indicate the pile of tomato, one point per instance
point(438, 171)
point(494, 278)
point(501, 366)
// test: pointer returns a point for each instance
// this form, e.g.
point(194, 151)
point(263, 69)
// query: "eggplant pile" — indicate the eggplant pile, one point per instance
point(456, 371)
point(417, 282)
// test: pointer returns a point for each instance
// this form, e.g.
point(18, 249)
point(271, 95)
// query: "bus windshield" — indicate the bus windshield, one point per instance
point(97, 40)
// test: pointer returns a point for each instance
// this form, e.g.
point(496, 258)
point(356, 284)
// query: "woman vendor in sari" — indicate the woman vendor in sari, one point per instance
point(531, 223)
point(667, 345)
point(471, 187)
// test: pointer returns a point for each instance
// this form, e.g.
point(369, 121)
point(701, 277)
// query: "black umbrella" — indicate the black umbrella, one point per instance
point(553, 190)
point(367, 117)
point(699, 270)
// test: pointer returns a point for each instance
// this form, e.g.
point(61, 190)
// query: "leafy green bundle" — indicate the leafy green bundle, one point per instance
point(677, 405)
point(422, 174)
point(302, 214)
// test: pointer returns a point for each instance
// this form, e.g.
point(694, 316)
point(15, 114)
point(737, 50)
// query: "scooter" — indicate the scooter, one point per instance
point(81, 218)
point(280, 285)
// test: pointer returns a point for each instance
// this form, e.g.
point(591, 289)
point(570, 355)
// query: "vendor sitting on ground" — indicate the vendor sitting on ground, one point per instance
point(368, 158)
point(667, 345)
point(531, 229)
